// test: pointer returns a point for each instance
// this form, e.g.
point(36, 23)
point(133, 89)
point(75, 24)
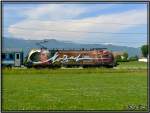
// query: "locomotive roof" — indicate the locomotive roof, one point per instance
point(11, 50)
point(78, 49)
point(69, 49)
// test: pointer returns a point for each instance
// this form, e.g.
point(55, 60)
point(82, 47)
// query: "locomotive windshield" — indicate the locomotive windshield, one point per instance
point(107, 56)
point(35, 57)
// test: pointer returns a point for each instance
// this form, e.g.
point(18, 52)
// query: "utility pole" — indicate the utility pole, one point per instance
point(40, 44)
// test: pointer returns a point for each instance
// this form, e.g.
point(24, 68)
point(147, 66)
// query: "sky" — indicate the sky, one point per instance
point(117, 24)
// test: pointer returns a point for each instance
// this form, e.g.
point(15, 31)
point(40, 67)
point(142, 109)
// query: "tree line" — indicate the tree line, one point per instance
point(125, 58)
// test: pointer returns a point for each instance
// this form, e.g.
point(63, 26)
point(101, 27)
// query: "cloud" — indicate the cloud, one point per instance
point(35, 28)
point(54, 11)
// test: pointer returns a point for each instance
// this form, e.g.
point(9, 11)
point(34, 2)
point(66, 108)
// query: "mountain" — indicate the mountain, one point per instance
point(26, 45)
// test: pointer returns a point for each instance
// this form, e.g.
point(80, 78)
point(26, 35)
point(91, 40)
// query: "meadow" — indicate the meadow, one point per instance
point(120, 88)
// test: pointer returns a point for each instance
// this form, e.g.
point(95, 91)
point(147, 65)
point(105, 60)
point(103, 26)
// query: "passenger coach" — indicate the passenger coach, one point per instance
point(12, 57)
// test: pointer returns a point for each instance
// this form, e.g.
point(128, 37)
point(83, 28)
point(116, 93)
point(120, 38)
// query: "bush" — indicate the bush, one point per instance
point(119, 59)
point(125, 55)
point(122, 60)
point(134, 58)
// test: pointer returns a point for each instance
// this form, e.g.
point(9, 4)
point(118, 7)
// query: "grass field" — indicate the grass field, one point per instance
point(132, 65)
point(76, 89)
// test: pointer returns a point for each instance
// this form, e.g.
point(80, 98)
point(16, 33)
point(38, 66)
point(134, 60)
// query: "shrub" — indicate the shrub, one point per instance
point(120, 59)
point(133, 58)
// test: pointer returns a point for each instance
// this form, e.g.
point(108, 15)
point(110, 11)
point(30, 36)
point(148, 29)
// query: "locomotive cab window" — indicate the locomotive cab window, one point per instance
point(107, 56)
point(99, 55)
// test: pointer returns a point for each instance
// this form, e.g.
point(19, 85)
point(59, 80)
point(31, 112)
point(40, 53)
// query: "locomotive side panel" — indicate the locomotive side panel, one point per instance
point(70, 58)
point(78, 57)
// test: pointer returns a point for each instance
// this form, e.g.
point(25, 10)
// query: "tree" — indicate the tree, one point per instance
point(118, 58)
point(125, 55)
point(144, 50)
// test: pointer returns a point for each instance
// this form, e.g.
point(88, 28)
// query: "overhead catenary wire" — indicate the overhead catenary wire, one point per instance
point(52, 36)
point(85, 21)
point(134, 40)
point(81, 21)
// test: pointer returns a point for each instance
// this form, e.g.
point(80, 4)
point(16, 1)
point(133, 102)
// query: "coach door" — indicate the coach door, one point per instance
point(17, 59)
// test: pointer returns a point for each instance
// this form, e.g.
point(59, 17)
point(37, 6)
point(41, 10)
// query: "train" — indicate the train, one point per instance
point(70, 58)
point(12, 57)
point(41, 58)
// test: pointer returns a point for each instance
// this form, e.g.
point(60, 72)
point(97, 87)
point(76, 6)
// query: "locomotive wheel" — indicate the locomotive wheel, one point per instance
point(110, 66)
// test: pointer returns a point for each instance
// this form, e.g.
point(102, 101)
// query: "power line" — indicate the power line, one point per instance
point(53, 36)
point(81, 21)
point(115, 42)
point(106, 37)
point(114, 23)
point(78, 31)
point(133, 40)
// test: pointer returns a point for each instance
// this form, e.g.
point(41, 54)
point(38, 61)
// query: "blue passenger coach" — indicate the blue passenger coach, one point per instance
point(12, 57)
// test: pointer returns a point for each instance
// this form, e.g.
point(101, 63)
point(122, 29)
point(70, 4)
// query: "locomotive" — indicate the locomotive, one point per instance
point(70, 58)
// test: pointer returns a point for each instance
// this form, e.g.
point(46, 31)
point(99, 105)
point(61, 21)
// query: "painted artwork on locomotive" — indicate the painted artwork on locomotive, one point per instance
point(44, 57)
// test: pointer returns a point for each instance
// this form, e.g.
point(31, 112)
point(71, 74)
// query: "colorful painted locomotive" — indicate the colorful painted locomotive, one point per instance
point(70, 58)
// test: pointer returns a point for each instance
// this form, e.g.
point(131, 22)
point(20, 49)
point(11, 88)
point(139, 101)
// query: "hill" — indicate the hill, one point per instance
point(26, 45)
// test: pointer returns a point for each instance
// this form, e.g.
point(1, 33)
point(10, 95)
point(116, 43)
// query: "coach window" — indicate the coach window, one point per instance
point(3, 56)
point(11, 56)
point(17, 56)
point(7, 56)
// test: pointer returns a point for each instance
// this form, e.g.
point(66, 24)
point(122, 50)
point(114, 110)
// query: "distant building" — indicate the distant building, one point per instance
point(143, 60)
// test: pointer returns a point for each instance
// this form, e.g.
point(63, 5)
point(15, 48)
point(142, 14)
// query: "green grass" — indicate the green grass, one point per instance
point(74, 89)
point(132, 64)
